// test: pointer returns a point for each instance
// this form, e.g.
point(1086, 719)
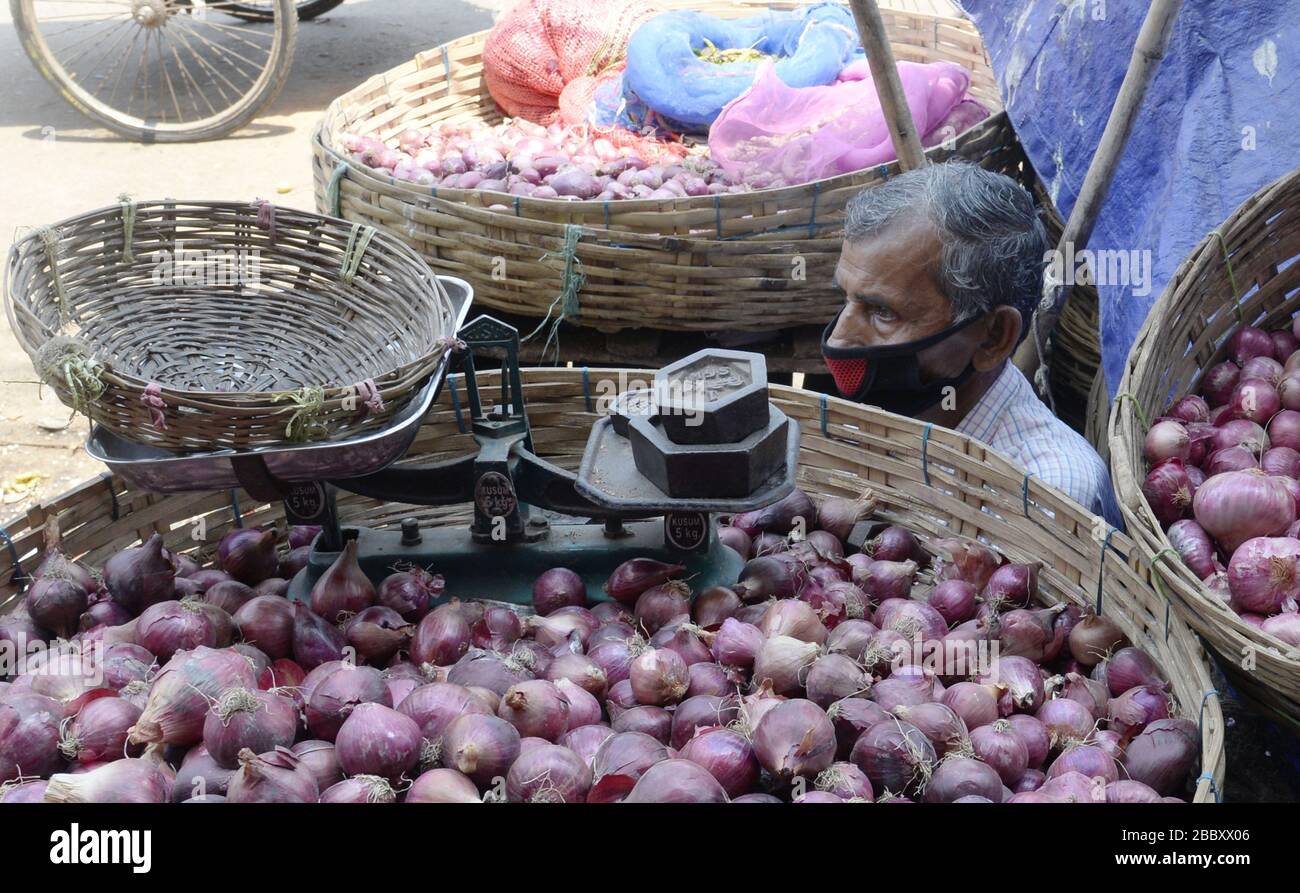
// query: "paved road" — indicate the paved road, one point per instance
point(57, 165)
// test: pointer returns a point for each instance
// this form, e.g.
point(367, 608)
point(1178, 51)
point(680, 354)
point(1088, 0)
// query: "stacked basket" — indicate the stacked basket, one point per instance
point(1242, 273)
point(757, 261)
point(932, 480)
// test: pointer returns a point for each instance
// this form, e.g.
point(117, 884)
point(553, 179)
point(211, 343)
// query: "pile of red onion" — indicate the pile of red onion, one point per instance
point(1223, 479)
point(824, 674)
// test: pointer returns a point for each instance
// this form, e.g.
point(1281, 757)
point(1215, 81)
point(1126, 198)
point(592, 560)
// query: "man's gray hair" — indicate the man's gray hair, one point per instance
point(994, 244)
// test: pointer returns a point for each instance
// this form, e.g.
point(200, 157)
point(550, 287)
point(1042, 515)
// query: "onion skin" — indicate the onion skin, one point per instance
point(557, 588)
point(765, 576)
point(442, 786)
point(259, 721)
point(895, 755)
point(57, 604)
point(98, 732)
point(715, 605)
point(957, 777)
point(1167, 440)
point(199, 775)
point(779, 517)
point(737, 540)
point(377, 633)
point(1168, 489)
point(1193, 545)
point(537, 709)
point(314, 641)
point(884, 580)
point(945, 730)
point(662, 603)
point(267, 622)
point(1218, 382)
point(337, 695)
point(655, 722)
point(677, 781)
point(1263, 573)
point(441, 638)
point(437, 705)
point(248, 555)
point(784, 663)
point(179, 696)
point(360, 789)
point(701, 711)
point(976, 704)
point(229, 595)
point(636, 575)
point(548, 774)
point(1088, 760)
point(29, 736)
point(377, 740)
point(121, 781)
point(794, 738)
point(409, 592)
point(1131, 667)
point(1036, 737)
point(321, 760)
point(1067, 722)
point(140, 577)
point(167, 627)
point(620, 761)
point(727, 756)
point(795, 619)
point(659, 677)
point(1163, 754)
point(954, 600)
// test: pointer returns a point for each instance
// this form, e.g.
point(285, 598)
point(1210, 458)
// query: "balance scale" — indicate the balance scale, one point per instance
point(704, 441)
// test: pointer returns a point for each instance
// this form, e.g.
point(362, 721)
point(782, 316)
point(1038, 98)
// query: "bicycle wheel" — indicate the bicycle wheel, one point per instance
point(159, 70)
point(256, 11)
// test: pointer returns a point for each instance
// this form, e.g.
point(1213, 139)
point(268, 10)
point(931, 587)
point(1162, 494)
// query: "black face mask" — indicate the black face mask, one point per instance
point(889, 376)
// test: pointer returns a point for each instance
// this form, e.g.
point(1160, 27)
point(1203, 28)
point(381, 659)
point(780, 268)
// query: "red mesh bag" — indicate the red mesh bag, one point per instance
point(539, 46)
point(576, 101)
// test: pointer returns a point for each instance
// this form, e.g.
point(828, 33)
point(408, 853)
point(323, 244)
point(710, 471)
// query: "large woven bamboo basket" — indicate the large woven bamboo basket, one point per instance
point(195, 325)
point(753, 261)
point(933, 480)
point(1242, 273)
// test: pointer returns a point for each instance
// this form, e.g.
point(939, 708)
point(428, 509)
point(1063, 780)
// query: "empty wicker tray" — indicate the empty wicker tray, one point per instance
point(225, 325)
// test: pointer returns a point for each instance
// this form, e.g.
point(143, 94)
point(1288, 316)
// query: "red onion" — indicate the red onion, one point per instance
point(1243, 433)
point(884, 580)
point(481, 747)
point(783, 662)
point(1218, 382)
point(378, 740)
point(377, 633)
point(1013, 585)
point(557, 588)
point(945, 729)
point(779, 517)
point(1248, 342)
point(1163, 755)
point(1280, 460)
point(209, 577)
point(248, 554)
point(766, 577)
point(488, 670)
point(1074, 787)
point(229, 595)
point(1284, 626)
point(103, 613)
point(1242, 505)
point(902, 690)
point(536, 708)
point(1254, 399)
point(1092, 694)
point(1094, 637)
point(795, 619)
point(180, 695)
point(1067, 721)
point(292, 562)
point(167, 627)
point(561, 625)
point(337, 695)
point(837, 515)
point(57, 603)
point(736, 539)
point(834, 676)
point(895, 755)
point(1036, 737)
point(273, 586)
point(315, 641)
point(701, 711)
point(99, 730)
point(1135, 709)
point(1263, 573)
point(621, 761)
point(1190, 409)
point(282, 674)
point(257, 720)
point(961, 559)
point(409, 592)
point(1288, 390)
point(659, 677)
point(1166, 440)
point(852, 637)
point(1263, 368)
point(548, 774)
point(586, 740)
point(435, 706)
point(795, 738)
point(851, 717)
point(954, 600)
point(636, 575)
point(267, 622)
point(200, 776)
point(911, 619)
point(497, 629)
point(826, 546)
point(958, 776)
point(769, 544)
point(1284, 428)
point(140, 577)
point(1193, 545)
point(895, 543)
point(56, 565)
point(343, 589)
point(1086, 759)
point(677, 781)
point(662, 603)
point(29, 736)
point(278, 776)
point(442, 786)
point(1110, 741)
point(1029, 634)
point(581, 671)
point(714, 605)
point(1168, 489)
point(584, 708)
point(1023, 682)
point(442, 637)
point(1234, 458)
point(736, 644)
point(1284, 344)
point(360, 789)
point(1127, 668)
point(121, 781)
point(727, 756)
point(124, 663)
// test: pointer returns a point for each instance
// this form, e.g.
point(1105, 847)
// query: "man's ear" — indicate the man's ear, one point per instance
point(1002, 334)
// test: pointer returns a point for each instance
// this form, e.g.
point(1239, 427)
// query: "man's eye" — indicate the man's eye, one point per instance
point(884, 314)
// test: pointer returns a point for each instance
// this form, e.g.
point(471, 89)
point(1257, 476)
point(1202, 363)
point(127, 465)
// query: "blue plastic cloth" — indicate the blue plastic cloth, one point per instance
point(1218, 122)
point(668, 85)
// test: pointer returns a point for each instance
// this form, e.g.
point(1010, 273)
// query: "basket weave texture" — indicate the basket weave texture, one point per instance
point(204, 325)
point(753, 261)
point(933, 480)
point(1242, 273)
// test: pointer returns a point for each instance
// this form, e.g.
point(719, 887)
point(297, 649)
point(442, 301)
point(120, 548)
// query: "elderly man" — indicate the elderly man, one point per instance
point(941, 269)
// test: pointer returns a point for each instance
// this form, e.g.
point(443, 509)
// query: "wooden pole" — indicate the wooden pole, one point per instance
point(884, 74)
point(1149, 49)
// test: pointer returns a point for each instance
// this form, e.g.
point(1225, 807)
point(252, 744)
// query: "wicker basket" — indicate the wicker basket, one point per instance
point(934, 480)
point(754, 261)
point(1252, 255)
point(205, 325)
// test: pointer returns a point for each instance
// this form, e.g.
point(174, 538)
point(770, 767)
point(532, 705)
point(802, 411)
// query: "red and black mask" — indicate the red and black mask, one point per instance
point(889, 375)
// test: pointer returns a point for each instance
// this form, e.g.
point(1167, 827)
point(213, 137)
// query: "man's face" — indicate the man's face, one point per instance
point(890, 297)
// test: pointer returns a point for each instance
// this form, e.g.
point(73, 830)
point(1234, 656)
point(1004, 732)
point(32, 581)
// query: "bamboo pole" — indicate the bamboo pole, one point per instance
point(889, 88)
point(1149, 49)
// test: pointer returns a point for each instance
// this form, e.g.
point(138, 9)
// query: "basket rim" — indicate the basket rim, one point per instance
point(157, 210)
point(1203, 609)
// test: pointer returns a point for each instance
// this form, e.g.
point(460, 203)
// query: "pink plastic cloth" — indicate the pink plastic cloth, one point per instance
point(795, 135)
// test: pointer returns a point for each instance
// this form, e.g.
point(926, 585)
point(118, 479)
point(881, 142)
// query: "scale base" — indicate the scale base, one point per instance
point(504, 572)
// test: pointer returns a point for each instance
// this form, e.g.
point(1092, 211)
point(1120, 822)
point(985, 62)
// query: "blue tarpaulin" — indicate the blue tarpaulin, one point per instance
point(1220, 119)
